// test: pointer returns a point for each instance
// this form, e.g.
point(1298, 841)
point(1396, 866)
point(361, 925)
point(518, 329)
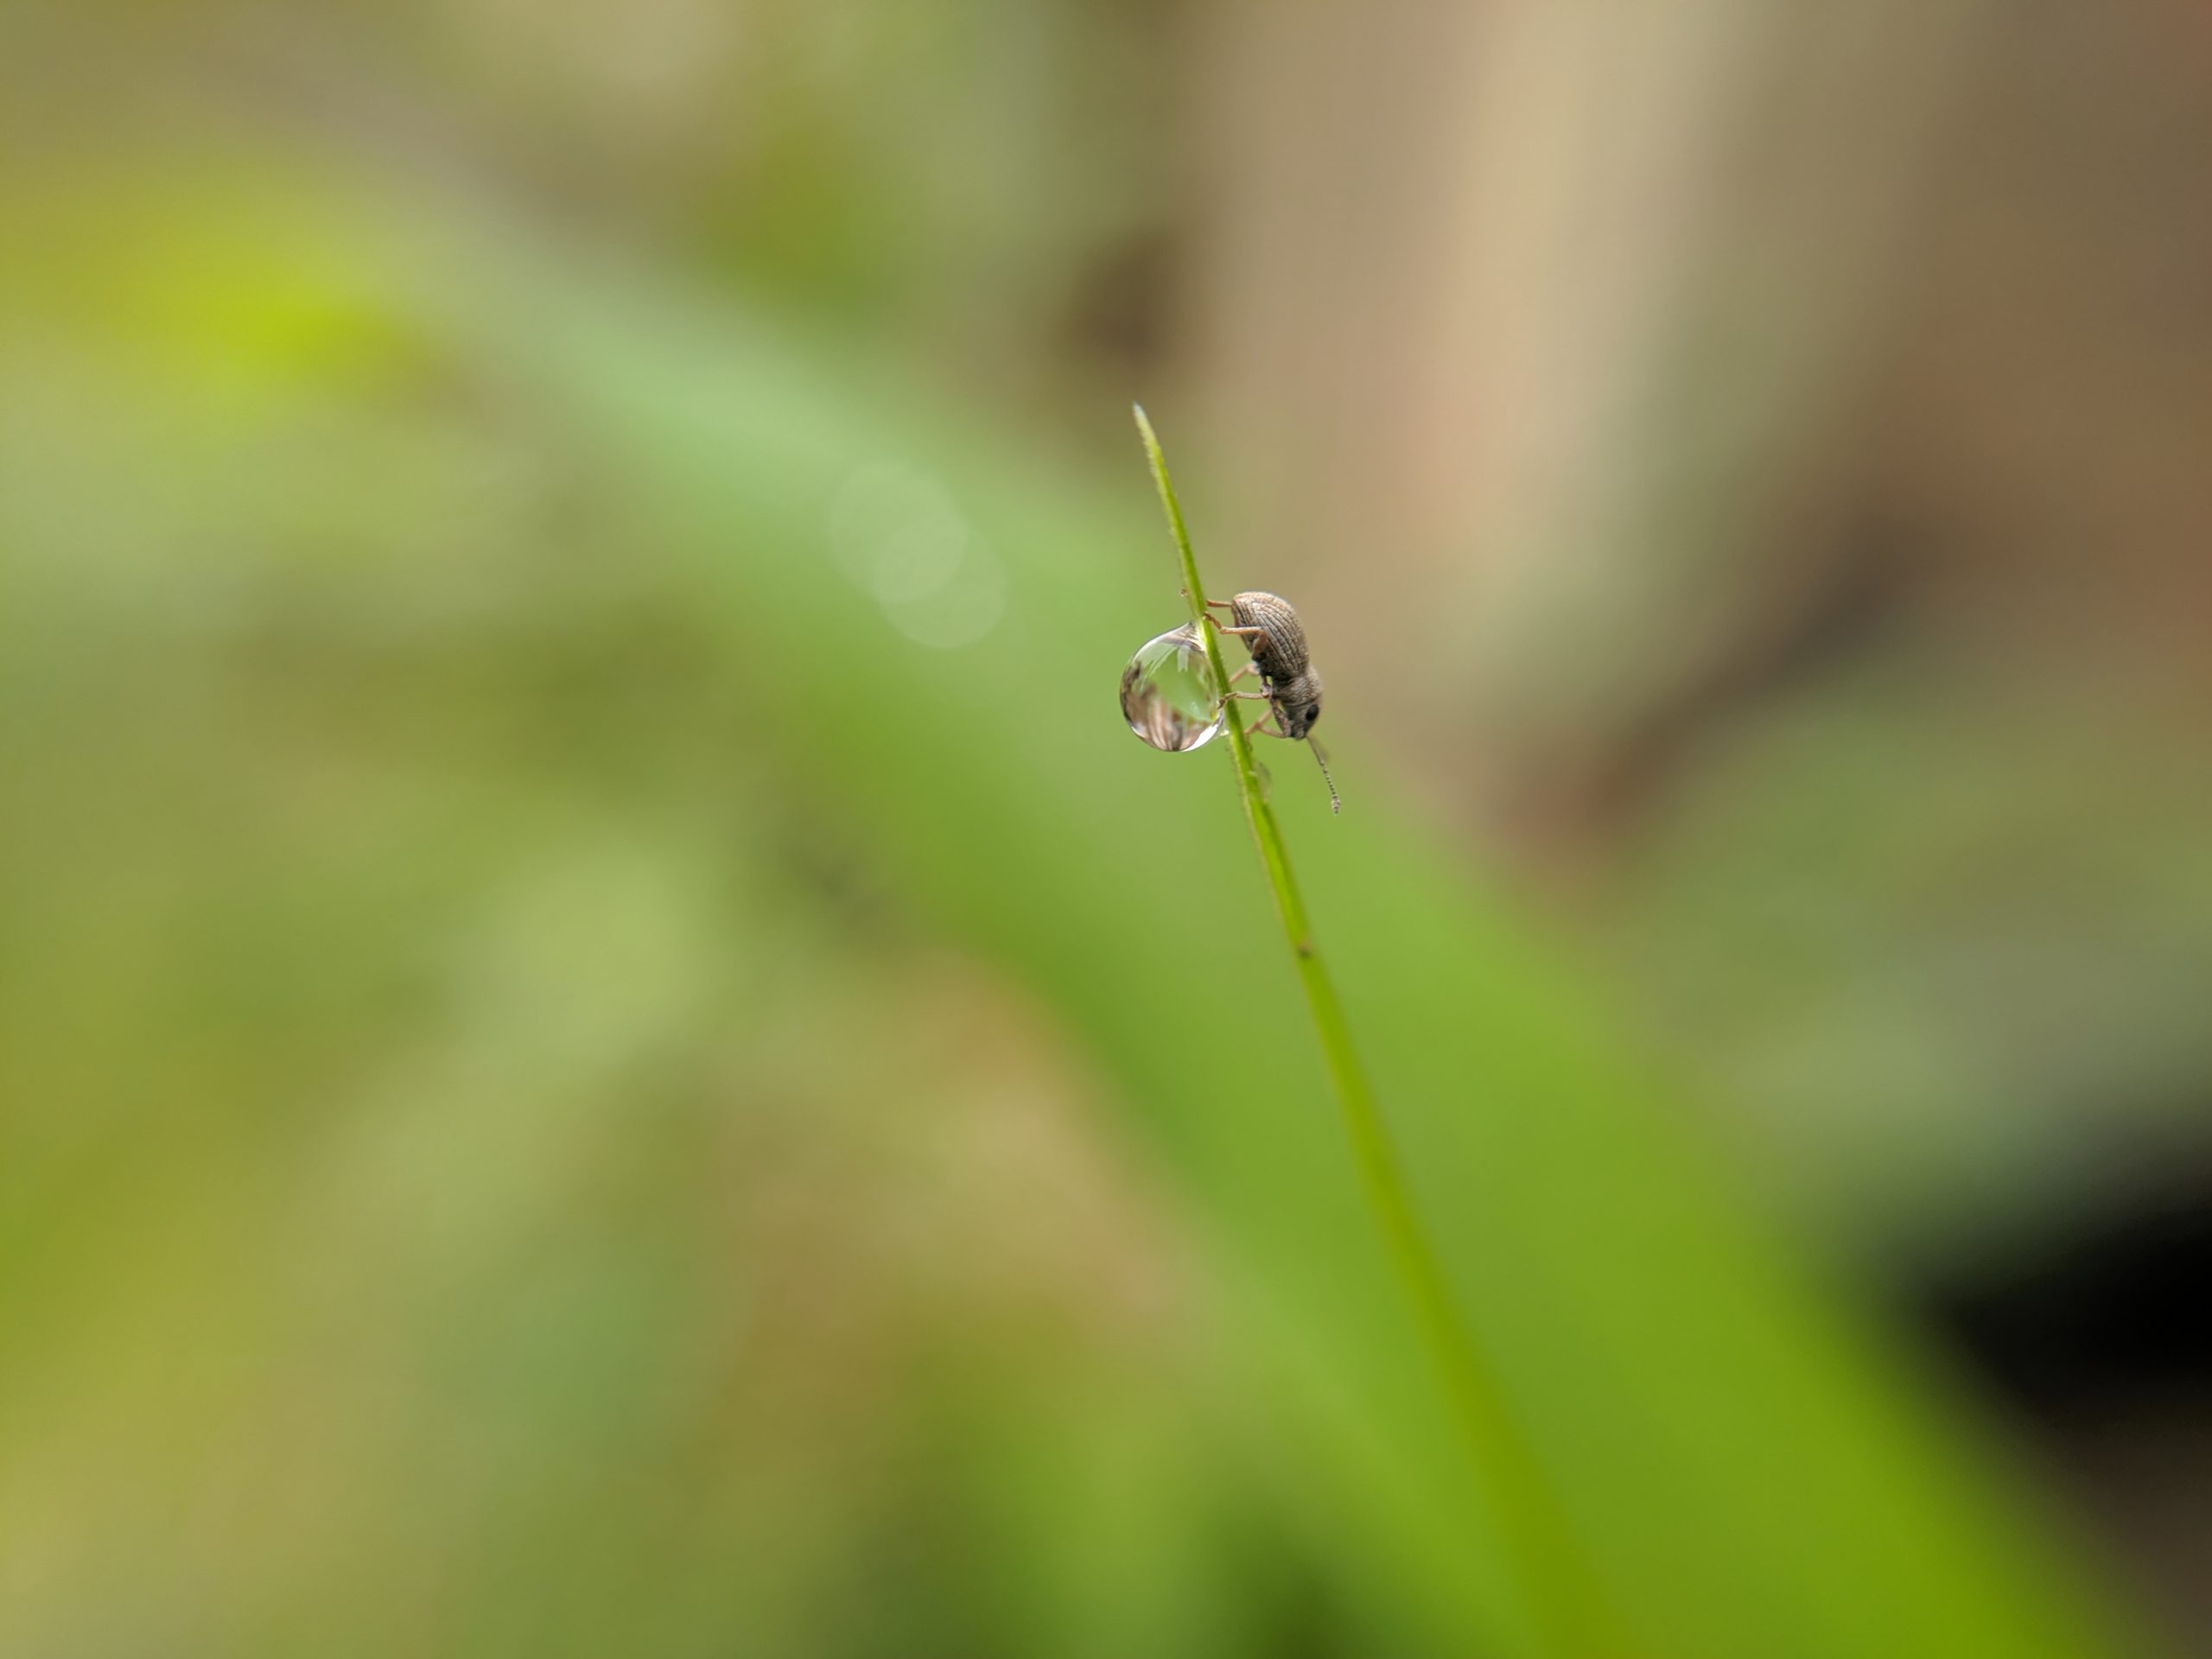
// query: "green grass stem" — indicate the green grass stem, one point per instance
point(1543, 1560)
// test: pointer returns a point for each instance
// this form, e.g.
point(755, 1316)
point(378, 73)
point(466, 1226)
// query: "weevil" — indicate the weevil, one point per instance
point(1269, 625)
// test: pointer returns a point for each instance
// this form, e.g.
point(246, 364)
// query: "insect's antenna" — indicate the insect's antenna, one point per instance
point(1322, 760)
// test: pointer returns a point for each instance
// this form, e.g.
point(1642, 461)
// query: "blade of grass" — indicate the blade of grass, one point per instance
point(1558, 1591)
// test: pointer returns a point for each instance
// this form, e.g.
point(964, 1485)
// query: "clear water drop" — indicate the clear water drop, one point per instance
point(1170, 695)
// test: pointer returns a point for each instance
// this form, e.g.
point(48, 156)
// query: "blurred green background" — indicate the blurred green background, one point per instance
point(606, 1046)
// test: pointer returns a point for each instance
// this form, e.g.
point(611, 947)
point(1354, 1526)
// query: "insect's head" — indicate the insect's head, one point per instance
point(1298, 706)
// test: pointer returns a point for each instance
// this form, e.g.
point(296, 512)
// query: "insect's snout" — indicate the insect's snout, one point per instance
point(1297, 715)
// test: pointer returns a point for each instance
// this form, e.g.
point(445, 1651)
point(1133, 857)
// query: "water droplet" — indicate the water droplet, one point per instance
point(1169, 694)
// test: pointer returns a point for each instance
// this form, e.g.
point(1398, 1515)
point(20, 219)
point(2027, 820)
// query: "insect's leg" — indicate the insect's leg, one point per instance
point(1260, 724)
point(1249, 668)
point(1248, 635)
point(1211, 604)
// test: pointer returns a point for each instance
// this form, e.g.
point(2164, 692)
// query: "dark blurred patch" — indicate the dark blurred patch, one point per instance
point(2103, 1319)
point(1122, 311)
point(1840, 603)
point(2102, 1338)
point(1842, 599)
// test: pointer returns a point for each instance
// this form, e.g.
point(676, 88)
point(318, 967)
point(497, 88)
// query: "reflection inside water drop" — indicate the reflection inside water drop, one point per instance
point(1169, 694)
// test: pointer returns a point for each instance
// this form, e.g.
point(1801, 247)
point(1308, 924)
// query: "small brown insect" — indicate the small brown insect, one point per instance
point(1270, 629)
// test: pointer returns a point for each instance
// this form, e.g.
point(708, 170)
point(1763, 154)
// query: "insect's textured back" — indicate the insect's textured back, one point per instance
point(1283, 653)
